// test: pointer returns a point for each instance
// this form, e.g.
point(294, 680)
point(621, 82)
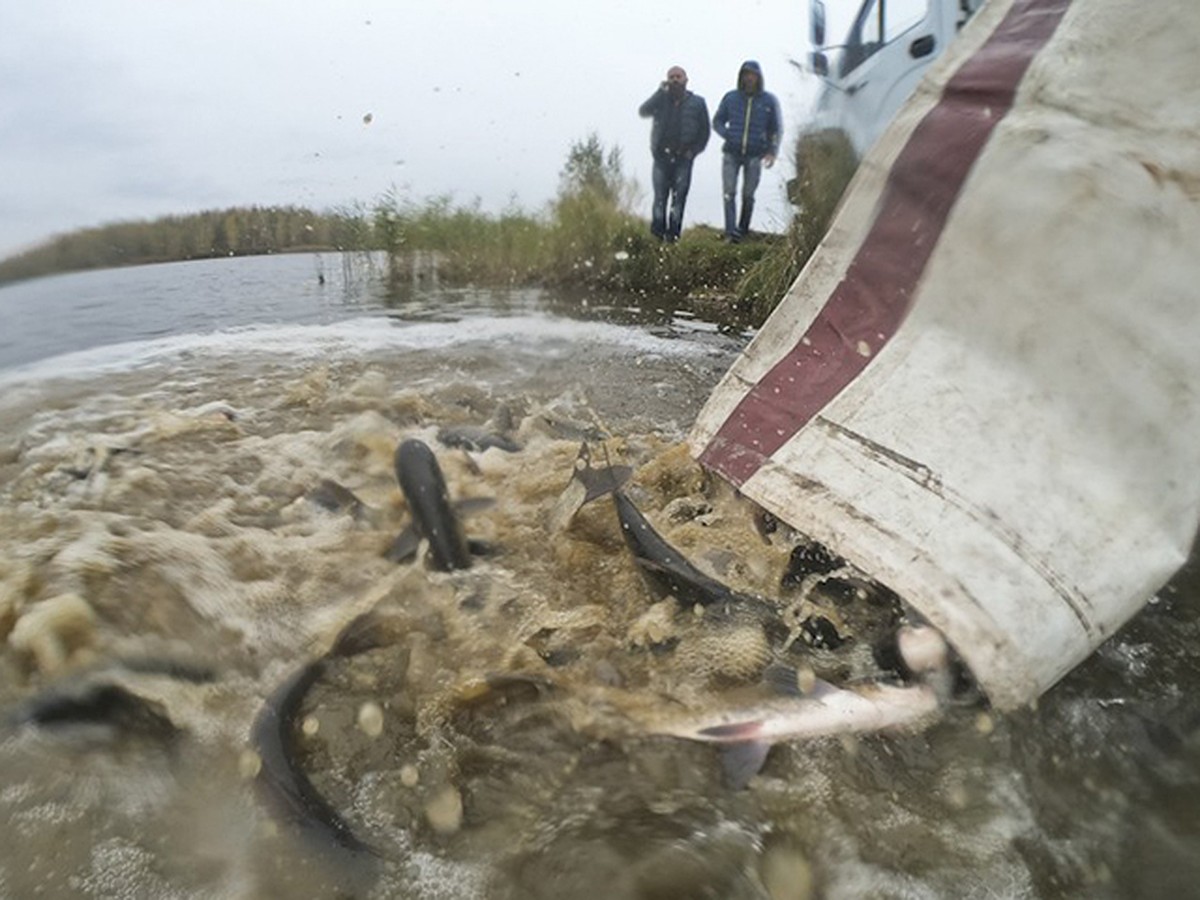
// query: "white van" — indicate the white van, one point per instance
point(876, 64)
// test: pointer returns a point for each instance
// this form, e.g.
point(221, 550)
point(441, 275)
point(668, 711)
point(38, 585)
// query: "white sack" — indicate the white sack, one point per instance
point(1016, 450)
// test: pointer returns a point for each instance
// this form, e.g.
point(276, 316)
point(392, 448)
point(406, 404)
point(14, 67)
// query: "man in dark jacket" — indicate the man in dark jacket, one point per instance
point(678, 135)
point(750, 122)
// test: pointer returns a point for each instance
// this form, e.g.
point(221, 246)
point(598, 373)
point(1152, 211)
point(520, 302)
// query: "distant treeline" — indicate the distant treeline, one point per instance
point(237, 231)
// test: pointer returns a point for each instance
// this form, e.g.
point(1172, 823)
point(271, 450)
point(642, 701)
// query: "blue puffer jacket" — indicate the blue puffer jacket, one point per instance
point(750, 123)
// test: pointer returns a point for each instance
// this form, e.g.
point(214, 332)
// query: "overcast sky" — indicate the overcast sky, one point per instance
point(114, 110)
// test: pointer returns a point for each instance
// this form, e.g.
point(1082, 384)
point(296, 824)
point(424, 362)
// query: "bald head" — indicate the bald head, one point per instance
point(676, 80)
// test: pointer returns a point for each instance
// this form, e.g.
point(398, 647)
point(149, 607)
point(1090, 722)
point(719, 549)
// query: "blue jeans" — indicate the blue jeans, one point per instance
point(672, 178)
point(751, 167)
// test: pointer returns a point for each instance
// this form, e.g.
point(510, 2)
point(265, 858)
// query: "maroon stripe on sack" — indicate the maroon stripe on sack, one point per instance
point(866, 308)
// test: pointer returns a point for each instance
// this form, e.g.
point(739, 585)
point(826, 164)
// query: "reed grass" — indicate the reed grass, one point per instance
point(589, 238)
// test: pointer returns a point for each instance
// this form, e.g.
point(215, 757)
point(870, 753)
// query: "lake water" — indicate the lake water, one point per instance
point(169, 558)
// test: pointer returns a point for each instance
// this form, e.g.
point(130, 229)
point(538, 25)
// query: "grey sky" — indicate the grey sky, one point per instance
point(130, 109)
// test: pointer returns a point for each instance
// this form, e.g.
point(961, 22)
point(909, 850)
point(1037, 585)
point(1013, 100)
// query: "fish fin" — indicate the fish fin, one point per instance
point(741, 762)
point(599, 482)
point(502, 421)
point(783, 680)
point(404, 548)
point(585, 485)
point(568, 503)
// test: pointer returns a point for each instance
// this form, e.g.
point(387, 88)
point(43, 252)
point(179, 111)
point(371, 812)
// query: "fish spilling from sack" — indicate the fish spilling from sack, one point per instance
point(925, 674)
point(834, 654)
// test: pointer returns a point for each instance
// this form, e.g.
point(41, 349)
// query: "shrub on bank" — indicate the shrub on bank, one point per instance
point(825, 163)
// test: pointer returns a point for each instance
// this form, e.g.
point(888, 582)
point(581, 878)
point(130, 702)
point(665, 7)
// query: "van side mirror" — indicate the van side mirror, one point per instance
point(816, 21)
point(819, 63)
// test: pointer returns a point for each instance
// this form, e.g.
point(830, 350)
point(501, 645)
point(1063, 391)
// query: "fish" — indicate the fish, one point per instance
point(281, 782)
point(434, 518)
point(476, 438)
point(495, 433)
point(746, 733)
point(559, 425)
point(668, 573)
point(97, 702)
point(336, 498)
point(824, 710)
point(404, 547)
point(94, 459)
point(98, 697)
point(809, 558)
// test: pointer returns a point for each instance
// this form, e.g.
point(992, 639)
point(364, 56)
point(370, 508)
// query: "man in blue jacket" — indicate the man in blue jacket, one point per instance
point(750, 122)
point(679, 134)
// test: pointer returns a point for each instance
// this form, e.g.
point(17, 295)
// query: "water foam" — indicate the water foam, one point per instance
point(353, 338)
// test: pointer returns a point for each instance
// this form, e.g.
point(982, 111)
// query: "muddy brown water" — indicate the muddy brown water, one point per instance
point(158, 532)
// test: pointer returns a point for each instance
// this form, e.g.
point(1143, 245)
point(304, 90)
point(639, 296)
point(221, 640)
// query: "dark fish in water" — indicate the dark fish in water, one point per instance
point(668, 573)
point(93, 460)
point(282, 781)
point(404, 548)
point(96, 703)
point(560, 426)
point(500, 689)
point(765, 524)
point(96, 699)
point(476, 438)
point(434, 519)
point(333, 497)
point(818, 631)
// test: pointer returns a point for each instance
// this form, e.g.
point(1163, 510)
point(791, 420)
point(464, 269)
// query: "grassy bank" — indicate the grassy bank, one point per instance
point(590, 238)
point(583, 245)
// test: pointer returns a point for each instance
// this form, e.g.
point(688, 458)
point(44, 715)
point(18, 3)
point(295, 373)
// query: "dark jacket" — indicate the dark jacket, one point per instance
point(693, 124)
point(750, 123)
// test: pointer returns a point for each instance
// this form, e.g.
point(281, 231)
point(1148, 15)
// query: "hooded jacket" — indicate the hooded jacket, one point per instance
point(750, 123)
point(693, 124)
